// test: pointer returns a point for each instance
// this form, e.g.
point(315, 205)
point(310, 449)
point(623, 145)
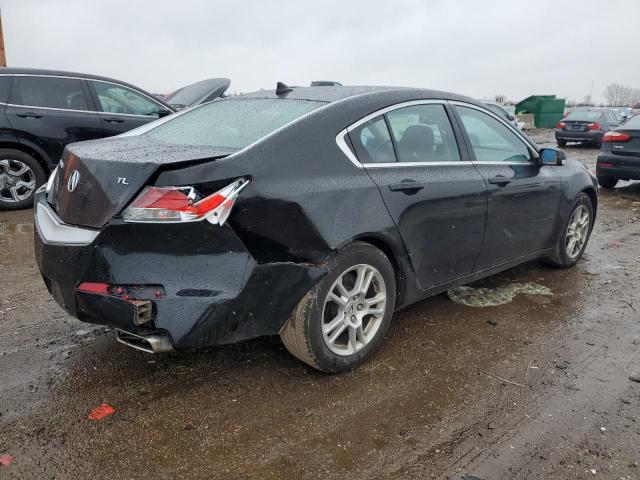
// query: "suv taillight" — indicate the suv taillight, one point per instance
point(594, 126)
point(616, 137)
point(183, 204)
point(560, 125)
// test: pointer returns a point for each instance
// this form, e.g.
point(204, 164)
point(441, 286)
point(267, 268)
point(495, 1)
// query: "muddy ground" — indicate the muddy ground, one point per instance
point(428, 404)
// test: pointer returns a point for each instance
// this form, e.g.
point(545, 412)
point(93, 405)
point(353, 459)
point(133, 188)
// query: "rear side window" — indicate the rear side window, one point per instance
point(490, 139)
point(119, 99)
point(423, 133)
point(5, 85)
point(232, 124)
point(372, 142)
point(50, 92)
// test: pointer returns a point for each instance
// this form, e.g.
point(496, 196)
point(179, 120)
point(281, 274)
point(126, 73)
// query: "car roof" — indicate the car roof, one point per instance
point(331, 94)
point(61, 73)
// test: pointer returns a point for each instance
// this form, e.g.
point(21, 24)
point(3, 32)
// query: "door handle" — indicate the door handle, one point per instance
point(499, 180)
point(406, 186)
point(29, 115)
point(113, 120)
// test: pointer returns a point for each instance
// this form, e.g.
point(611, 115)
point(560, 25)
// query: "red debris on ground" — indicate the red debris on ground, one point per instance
point(101, 411)
point(6, 459)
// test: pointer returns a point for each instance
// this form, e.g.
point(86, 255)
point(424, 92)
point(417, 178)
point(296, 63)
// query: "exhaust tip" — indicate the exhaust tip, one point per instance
point(151, 343)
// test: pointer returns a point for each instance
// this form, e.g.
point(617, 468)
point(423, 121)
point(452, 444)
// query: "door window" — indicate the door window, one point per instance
point(119, 99)
point(372, 142)
point(423, 133)
point(50, 92)
point(490, 139)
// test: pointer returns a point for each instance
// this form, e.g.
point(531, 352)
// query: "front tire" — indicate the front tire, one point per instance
point(607, 182)
point(574, 234)
point(20, 177)
point(343, 318)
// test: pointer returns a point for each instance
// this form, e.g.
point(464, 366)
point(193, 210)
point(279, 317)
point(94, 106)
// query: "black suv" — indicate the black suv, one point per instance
point(41, 111)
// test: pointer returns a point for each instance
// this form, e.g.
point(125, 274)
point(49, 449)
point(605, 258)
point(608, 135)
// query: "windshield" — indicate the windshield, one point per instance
point(584, 116)
point(232, 123)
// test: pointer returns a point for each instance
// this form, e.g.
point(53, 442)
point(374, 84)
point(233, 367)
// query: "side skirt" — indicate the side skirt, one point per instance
point(443, 287)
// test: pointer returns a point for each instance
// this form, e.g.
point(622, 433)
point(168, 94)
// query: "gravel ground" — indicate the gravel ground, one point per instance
point(542, 391)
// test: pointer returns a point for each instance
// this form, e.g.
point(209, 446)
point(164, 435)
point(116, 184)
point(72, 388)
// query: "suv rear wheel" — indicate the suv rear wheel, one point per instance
point(342, 319)
point(561, 143)
point(20, 177)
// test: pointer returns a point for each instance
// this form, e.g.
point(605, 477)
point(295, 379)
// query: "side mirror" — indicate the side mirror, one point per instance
point(511, 117)
point(163, 112)
point(552, 156)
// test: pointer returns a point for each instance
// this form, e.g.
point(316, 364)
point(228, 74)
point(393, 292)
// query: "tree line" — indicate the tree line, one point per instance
point(618, 95)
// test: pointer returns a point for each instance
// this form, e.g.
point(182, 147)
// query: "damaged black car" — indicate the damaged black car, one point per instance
point(313, 213)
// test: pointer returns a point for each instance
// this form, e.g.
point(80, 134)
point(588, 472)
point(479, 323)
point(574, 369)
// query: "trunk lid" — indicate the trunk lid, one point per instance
point(97, 179)
point(630, 148)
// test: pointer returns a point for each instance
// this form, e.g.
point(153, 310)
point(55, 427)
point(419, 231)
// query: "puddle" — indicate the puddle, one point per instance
point(491, 297)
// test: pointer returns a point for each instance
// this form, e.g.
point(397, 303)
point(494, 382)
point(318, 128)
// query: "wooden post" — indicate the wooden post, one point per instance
point(3, 58)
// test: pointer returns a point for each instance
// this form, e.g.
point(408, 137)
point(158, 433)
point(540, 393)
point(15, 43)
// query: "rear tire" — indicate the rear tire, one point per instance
point(607, 182)
point(20, 176)
point(574, 235)
point(308, 332)
point(561, 143)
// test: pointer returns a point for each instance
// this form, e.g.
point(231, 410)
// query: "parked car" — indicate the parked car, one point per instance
point(586, 126)
point(620, 155)
point(41, 111)
point(313, 213)
point(200, 92)
point(501, 111)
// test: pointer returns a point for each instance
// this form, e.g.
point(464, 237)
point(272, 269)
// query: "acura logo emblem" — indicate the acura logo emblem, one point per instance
point(73, 180)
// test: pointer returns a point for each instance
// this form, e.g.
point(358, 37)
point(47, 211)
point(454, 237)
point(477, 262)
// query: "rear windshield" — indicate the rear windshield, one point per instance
point(584, 116)
point(231, 124)
point(633, 122)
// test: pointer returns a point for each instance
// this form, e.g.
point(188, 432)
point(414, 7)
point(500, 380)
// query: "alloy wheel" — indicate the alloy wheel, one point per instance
point(354, 309)
point(17, 181)
point(577, 231)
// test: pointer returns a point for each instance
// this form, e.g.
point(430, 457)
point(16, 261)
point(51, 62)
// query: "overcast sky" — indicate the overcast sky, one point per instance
point(477, 48)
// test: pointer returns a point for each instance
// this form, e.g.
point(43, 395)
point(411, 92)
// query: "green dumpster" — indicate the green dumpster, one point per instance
point(547, 110)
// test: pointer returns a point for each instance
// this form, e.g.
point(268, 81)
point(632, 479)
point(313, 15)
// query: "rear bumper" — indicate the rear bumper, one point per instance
point(618, 166)
point(592, 136)
point(213, 291)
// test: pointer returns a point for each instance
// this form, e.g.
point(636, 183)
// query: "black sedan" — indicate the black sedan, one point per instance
point(313, 213)
point(587, 126)
point(620, 155)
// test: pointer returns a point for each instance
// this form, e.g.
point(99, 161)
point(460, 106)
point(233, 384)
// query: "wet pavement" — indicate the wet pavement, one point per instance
point(538, 387)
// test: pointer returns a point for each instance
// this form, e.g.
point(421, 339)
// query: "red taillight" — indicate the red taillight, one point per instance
point(100, 288)
point(178, 204)
point(594, 126)
point(607, 165)
point(560, 125)
point(616, 137)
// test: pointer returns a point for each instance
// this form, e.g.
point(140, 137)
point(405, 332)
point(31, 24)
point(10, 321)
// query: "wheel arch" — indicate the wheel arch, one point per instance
point(392, 253)
point(593, 196)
